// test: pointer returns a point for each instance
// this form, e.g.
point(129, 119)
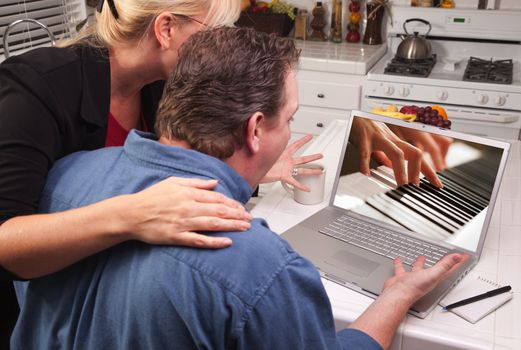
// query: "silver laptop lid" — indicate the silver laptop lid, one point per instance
point(458, 214)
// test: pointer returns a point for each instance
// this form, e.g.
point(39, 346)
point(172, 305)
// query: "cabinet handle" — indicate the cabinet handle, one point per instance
point(321, 96)
point(320, 125)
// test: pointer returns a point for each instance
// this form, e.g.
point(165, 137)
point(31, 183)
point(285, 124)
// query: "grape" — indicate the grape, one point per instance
point(421, 110)
point(282, 7)
point(428, 109)
point(434, 112)
point(434, 121)
point(440, 123)
point(447, 124)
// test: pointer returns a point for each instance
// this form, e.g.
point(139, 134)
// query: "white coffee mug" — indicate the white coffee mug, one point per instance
point(315, 183)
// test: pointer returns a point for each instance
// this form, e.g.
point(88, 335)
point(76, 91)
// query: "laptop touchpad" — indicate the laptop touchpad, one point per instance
point(353, 263)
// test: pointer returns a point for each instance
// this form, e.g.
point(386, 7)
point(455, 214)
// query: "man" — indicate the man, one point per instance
point(225, 114)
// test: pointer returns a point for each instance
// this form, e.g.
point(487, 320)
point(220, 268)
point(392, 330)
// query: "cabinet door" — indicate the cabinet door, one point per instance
point(329, 95)
point(312, 120)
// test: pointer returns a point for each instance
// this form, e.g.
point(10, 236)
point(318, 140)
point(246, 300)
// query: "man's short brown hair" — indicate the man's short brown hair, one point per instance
point(223, 76)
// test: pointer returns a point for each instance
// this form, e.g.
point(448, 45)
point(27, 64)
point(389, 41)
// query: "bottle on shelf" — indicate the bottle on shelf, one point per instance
point(301, 25)
point(353, 26)
point(336, 21)
point(318, 23)
point(375, 11)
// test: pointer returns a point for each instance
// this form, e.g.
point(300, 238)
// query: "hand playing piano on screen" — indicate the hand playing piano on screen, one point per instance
point(283, 169)
point(435, 145)
point(375, 140)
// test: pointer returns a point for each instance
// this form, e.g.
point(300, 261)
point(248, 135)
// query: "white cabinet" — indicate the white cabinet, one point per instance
point(324, 97)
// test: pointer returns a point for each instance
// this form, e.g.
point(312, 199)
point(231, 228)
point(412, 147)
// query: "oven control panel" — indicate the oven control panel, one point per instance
point(445, 95)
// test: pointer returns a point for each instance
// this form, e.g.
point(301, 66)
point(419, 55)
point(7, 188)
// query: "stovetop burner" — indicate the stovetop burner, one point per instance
point(489, 71)
point(408, 67)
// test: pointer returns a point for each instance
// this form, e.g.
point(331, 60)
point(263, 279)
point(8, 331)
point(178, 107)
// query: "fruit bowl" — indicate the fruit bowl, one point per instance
point(431, 115)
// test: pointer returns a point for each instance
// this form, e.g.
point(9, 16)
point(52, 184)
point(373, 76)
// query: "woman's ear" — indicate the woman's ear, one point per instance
point(163, 29)
point(254, 132)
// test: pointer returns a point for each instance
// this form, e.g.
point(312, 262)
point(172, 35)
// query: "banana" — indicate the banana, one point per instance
point(393, 113)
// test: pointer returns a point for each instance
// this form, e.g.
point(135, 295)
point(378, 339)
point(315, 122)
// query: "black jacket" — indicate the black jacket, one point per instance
point(53, 101)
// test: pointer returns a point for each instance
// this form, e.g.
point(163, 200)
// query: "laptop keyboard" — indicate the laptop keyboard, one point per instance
point(384, 242)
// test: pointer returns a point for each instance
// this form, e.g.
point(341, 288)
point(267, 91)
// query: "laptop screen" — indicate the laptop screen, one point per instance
point(469, 168)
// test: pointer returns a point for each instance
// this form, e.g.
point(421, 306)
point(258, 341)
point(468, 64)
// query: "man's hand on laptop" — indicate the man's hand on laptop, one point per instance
point(382, 318)
point(414, 284)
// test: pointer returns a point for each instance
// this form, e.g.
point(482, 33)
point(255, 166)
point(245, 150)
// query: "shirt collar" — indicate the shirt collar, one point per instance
point(145, 148)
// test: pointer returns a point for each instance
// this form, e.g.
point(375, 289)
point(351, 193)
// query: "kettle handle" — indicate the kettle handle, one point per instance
point(417, 20)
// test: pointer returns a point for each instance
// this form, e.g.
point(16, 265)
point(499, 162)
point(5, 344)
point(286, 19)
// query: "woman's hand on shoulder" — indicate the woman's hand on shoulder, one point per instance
point(170, 212)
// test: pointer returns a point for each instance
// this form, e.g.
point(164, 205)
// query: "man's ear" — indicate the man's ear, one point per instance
point(163, 29)
point(254, 132)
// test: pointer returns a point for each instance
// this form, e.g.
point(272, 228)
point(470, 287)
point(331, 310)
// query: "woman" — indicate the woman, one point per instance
point(89, 94)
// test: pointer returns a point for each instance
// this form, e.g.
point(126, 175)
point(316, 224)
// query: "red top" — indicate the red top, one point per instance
point(116, 134)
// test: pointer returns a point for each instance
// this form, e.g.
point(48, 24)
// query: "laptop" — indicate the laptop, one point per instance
point(370, 220)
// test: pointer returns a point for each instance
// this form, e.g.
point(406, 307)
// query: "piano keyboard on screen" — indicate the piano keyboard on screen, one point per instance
point(435, 212)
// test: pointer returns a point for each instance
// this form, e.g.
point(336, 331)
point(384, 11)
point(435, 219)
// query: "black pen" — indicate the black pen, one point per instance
point(478, 297)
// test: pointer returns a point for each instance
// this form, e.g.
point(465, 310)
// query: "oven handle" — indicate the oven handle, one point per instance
point(502, 119)
point(453, 112)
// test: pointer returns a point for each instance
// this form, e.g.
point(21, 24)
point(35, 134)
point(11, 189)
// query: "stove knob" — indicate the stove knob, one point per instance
point(388, 90)
point(404, 91)
point(442, 95)
point(500, 100)
point(482, 99)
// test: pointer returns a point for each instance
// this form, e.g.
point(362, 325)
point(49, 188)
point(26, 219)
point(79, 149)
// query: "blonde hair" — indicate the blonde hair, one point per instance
point(136, 16)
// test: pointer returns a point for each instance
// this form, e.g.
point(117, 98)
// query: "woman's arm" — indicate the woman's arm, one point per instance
point(166, 213)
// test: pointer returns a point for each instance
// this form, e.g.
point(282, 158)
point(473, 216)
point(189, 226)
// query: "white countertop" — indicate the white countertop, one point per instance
point(347, 58)
point(500, 261)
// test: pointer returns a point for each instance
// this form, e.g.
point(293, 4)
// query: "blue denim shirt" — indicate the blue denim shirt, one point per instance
point(257, 294)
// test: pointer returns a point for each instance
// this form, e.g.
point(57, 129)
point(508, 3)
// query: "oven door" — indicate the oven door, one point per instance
point(478, 121)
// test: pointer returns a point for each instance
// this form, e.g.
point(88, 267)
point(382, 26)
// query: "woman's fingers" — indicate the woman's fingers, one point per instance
point(226, 217)
point(396, 155)
point(214, 223)
point(430, 174)
point(209, 197)
point(197, 240)
point(196, 183)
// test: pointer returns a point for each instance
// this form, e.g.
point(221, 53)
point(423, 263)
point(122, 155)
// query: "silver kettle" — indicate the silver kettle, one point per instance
point(414, 47)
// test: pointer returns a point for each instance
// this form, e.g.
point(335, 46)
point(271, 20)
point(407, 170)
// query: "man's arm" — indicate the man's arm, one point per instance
point(295, 313)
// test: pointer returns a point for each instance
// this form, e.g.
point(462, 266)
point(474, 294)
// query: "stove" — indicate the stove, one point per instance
point(490, 71)
point(475, 71)
point(412, 68)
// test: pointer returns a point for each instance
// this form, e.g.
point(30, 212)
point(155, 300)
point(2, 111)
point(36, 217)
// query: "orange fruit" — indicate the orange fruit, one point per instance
point(441, 112)
point(355, 17)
